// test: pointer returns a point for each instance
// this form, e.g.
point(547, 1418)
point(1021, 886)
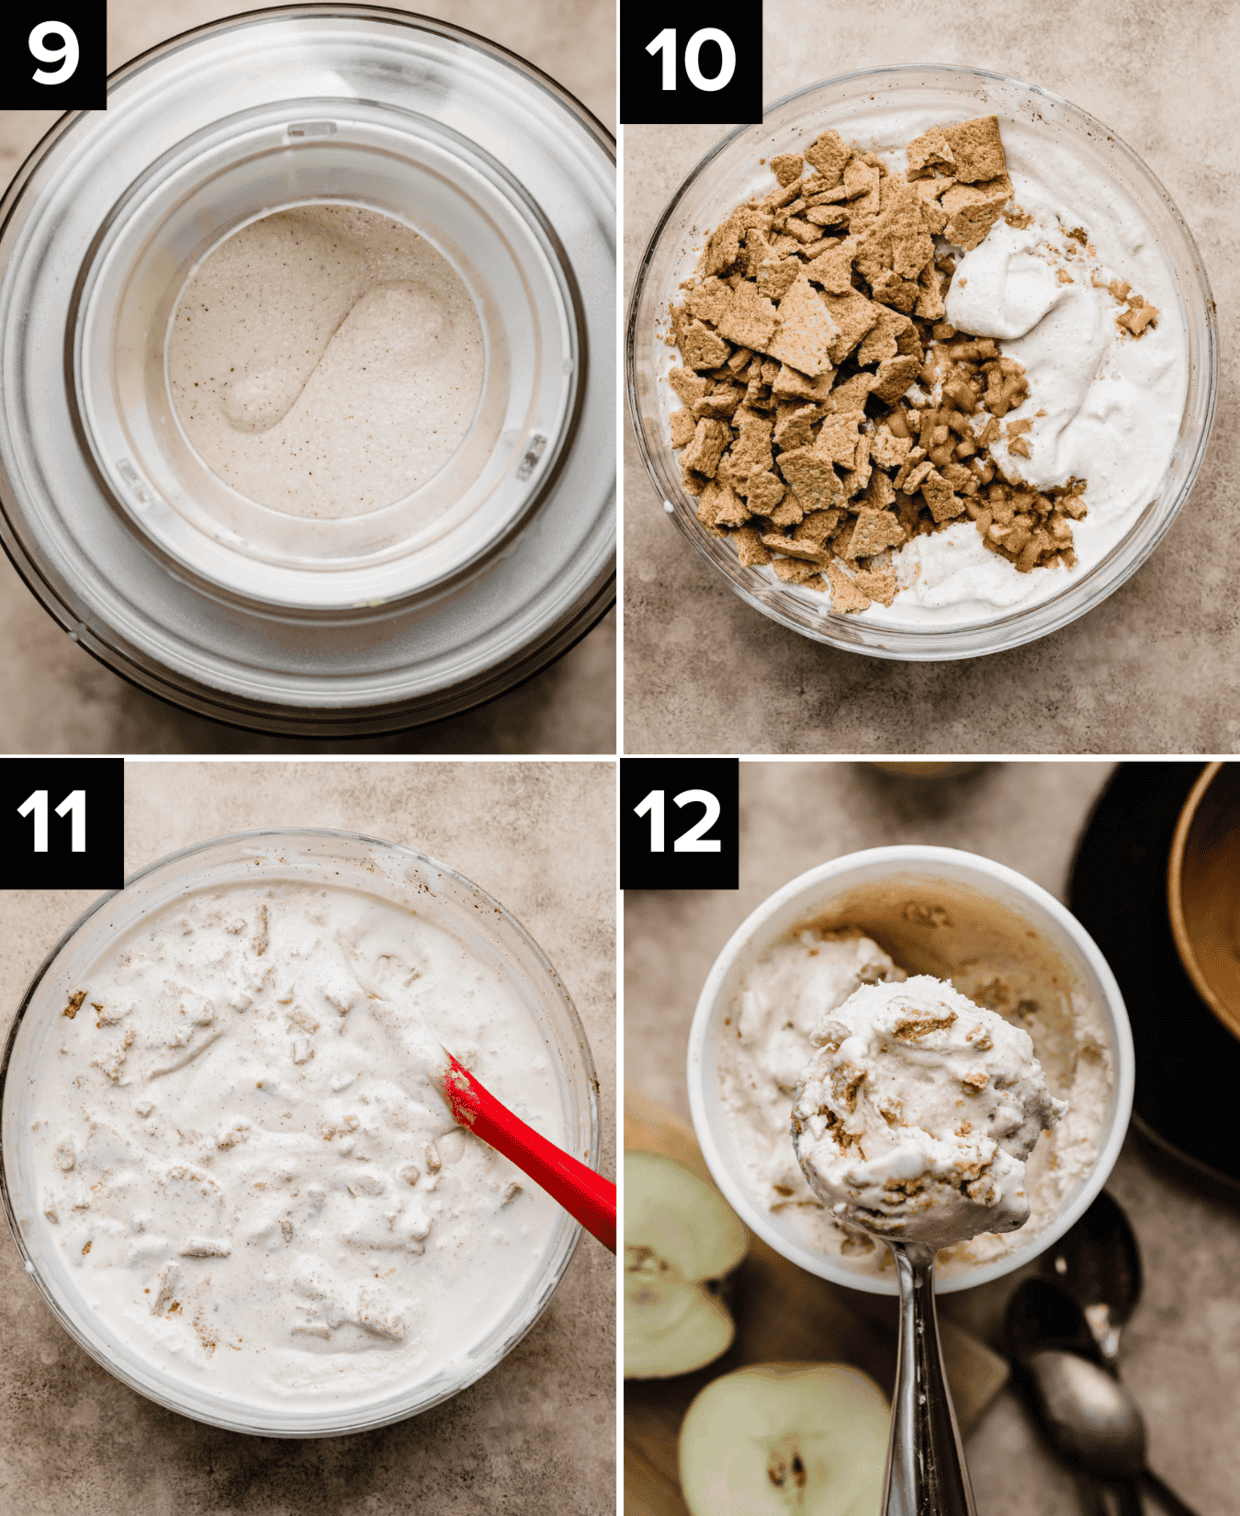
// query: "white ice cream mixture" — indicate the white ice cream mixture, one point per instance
point(325, 361)
point(246, 1167)
point(797, 991)
point(917, 1112)
point(1105, 407)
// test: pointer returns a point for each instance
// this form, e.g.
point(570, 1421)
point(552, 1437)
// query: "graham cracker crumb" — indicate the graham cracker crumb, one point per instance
point(787, 167)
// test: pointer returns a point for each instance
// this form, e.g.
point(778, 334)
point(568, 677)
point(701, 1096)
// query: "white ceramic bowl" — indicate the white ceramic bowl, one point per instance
point(815, 892)
point(345, 860)
point(731, 172)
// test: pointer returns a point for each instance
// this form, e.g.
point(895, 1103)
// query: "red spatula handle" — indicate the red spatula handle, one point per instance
point(585, 1195)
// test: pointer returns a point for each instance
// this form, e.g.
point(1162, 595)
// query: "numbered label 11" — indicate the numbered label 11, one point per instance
point(62, 823)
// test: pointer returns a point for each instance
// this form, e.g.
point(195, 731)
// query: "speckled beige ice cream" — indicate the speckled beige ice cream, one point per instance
point(917, 1112)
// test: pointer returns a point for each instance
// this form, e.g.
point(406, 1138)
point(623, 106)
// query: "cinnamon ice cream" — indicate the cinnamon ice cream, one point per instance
point(799, 988)
point(917, 1112)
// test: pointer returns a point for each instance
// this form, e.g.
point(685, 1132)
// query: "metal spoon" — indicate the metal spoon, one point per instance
point(1088, 1415)
point(1091, 1418)
point(926, 1470)
point(1098, 1262)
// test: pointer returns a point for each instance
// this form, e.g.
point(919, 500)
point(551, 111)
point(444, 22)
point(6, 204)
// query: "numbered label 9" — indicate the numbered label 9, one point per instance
point(54, 56)
point(54, 42)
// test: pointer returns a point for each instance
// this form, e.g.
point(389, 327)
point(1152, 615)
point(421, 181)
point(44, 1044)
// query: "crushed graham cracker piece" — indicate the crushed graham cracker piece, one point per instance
point(703, 453)
point(702, 348)
point(977, 150)
point(1138, 316)
point(873, 532)
point(765, 493)
point(972, 209)
point(806, 331)
point(683, 428)
point(894, 377)
point(877, 584)
point(795, 429)
point(853, 316)
point(776, 276)
point(828, 156)
point(789, 547)
point(929, 153)
point(787, 167)
point(749, 547)
point(793, 570)
point(749, 319)
point(845, 594)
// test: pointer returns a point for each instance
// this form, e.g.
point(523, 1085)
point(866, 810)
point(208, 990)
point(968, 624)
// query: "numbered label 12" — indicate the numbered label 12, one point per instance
point(678, 823)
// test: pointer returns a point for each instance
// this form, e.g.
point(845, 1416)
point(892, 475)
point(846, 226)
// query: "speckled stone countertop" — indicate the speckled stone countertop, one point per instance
point(538, 1432)
point(55, 698)
point(1181, 1351)
point(1156, 668)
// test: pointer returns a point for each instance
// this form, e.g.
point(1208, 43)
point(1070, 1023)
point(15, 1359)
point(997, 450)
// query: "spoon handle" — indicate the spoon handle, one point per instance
point(1165, 1495)
point(926, 1471)
point(585, 1195)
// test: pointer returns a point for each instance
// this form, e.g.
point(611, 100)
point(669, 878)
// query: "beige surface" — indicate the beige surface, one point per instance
point(55, 698)
point(1181, 1352)
point(538, 1432)
point(1153, 668)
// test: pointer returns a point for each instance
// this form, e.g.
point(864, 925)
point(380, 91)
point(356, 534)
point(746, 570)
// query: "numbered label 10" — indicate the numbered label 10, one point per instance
point(665, 44)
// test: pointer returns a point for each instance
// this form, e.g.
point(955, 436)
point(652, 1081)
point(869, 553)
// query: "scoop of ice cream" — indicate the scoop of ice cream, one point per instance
point(917, 1112)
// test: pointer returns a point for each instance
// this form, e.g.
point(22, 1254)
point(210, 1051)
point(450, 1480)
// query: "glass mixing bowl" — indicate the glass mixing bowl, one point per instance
point(731, 172)
point(871, 890)
point(343, 860)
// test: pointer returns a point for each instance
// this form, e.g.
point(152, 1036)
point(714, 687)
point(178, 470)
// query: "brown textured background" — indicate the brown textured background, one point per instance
point(55, 698)
point(538, 1432)
point(1180, 1353)
point(1156, 668)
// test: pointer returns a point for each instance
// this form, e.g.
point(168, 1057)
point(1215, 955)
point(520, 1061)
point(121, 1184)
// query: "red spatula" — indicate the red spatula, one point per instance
point(585, 1195)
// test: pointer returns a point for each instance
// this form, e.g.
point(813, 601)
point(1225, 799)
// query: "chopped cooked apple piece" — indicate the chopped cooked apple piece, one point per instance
point(776, 1438)
point(679, 1235)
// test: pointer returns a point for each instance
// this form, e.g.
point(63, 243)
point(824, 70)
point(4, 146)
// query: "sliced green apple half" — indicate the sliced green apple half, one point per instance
point(775, 1438)
point(679, 1236)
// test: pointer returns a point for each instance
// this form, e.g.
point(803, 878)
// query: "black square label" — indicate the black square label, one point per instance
point(688, 62)
point(678, 823)
point(53, 56)
point(62, 823)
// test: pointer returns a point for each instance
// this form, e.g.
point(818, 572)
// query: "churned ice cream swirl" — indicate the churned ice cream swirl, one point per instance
point(917, 1112)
